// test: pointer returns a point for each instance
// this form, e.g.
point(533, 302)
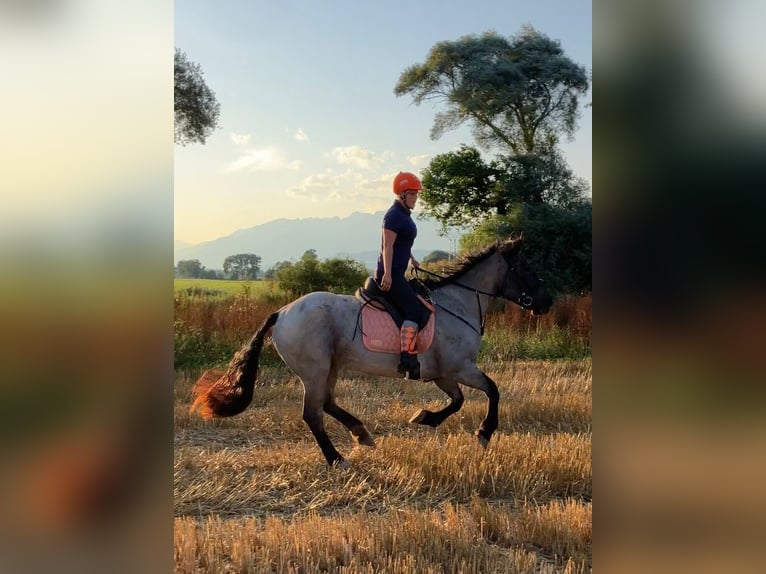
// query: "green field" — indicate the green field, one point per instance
point(224, 288)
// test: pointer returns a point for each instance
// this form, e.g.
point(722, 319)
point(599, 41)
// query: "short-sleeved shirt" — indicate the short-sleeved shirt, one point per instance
point(398, 220)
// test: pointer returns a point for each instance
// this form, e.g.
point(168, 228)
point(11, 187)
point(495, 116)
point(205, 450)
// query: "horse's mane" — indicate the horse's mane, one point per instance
point(467, 262)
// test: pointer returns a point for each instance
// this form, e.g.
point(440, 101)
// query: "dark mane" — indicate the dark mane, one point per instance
point(459, 268)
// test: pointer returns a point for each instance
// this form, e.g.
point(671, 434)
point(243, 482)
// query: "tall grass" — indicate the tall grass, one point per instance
point(209, 329)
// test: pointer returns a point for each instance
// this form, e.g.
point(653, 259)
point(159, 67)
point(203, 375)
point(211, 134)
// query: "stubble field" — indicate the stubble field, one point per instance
point(254, 494)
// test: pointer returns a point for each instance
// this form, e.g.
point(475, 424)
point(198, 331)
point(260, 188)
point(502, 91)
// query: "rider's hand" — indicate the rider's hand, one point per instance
point(385, 282)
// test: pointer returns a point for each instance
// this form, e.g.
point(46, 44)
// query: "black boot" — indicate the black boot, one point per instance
point(409, 365)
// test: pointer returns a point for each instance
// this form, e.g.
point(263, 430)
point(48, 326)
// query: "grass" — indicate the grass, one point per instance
point(209, 329)
point(223, 288)
point(253, 493)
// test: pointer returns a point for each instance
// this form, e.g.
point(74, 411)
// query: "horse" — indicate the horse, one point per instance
point(317, 336)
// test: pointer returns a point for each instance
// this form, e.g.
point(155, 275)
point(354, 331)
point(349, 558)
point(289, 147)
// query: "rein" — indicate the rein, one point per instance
point(524, 301)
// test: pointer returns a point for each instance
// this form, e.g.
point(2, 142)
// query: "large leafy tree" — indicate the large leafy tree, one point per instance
point(518, 94)
point(557, 242)
point(195, 105)
point(461, 189)
point(242, 265)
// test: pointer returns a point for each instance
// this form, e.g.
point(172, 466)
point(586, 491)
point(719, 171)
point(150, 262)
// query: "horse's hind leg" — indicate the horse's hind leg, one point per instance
point(426, 417)
point(353, 424)
point(313, 403)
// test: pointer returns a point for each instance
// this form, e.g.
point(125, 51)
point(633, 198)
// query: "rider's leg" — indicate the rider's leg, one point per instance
point(404, 295)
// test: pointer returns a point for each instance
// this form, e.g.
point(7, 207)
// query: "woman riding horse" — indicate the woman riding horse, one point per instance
point(399, 232)
point(316, 336)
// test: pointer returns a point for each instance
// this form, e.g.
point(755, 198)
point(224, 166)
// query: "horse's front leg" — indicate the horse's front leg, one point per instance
point(474, 377)
point(426, 417)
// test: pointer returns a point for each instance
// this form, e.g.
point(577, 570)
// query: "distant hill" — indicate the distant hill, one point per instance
point(356, 236)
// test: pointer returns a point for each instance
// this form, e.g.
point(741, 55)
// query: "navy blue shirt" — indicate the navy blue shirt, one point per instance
point(398, 220)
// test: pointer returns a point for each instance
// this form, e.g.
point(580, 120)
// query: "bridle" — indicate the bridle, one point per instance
point(523, 300)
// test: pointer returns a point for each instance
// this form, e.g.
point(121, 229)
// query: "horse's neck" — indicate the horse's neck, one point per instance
point(474, 282)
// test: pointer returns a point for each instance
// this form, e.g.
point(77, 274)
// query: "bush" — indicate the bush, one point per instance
point(338, 275)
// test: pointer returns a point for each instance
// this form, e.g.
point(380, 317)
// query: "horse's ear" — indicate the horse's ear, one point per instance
point(521, 236)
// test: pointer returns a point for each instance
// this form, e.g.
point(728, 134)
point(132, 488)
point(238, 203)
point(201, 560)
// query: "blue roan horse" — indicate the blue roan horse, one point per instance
point(317, 336)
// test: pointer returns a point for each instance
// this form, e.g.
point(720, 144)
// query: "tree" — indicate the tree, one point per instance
point(557, 242)
point(435, 257)
point(309, 274)
point(518, 94)
point(344, 275)
point(539, 178)
point(190, 268)
point(271, 272)
point(302, 277)
point(242, 265)
point(195, 105)
point(461, 189)
point(210, 274)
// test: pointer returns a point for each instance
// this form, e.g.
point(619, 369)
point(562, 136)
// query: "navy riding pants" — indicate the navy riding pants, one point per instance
point(403, 296)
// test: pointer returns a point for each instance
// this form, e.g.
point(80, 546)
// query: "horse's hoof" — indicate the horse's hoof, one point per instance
point(419, 417)
point(483, 441)
point(366, 440)
point(342, 463)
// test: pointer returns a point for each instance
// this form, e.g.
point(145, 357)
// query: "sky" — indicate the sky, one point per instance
point(310, 126)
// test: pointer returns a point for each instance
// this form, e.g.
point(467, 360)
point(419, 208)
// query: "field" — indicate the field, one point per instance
point(224, 288)
point(253, 493)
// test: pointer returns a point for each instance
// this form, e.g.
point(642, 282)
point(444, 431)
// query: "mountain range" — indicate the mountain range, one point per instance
point(356, 236)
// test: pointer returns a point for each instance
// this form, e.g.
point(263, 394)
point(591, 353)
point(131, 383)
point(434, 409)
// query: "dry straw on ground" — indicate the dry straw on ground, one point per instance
point(253, 493)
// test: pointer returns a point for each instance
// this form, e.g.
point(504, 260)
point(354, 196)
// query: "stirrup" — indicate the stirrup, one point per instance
point(409, 366)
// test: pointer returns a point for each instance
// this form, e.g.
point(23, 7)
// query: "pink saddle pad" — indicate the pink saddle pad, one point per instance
point(380, 333)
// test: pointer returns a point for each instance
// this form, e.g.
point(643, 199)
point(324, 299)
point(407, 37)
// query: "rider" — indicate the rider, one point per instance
point(399, 232)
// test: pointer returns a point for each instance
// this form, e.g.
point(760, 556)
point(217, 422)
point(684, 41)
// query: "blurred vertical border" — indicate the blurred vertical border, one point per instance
point(86, 222)
point(679, 370)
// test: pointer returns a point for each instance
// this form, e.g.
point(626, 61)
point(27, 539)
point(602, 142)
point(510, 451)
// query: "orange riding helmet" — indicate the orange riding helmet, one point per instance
point(406, 181)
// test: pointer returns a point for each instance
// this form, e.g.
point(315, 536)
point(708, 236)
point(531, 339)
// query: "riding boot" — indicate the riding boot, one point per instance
point(408, 363)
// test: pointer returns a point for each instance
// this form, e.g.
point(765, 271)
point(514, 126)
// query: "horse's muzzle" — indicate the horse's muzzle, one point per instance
point(542, 305)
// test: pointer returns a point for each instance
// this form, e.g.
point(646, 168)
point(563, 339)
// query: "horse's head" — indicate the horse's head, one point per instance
point(521, 284)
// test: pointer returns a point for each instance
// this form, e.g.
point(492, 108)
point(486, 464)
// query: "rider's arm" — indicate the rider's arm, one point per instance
point(388, 255)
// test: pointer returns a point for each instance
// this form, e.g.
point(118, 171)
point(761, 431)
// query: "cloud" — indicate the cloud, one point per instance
point(418, 159)
point(265, 159)
point(301, 136)
point(240, 139)
point(363, 192)
point(358, 157)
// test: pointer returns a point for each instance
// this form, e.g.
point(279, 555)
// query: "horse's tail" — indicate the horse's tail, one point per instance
point(230, 394)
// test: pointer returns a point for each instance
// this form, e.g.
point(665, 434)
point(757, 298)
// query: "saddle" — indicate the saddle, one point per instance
point(381, 318)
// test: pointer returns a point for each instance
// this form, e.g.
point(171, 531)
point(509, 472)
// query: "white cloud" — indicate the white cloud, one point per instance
point(357, 157)
point(358, 191)
point(265, 159)
point(418, 159)
point(301, 136)
point(240, 139)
